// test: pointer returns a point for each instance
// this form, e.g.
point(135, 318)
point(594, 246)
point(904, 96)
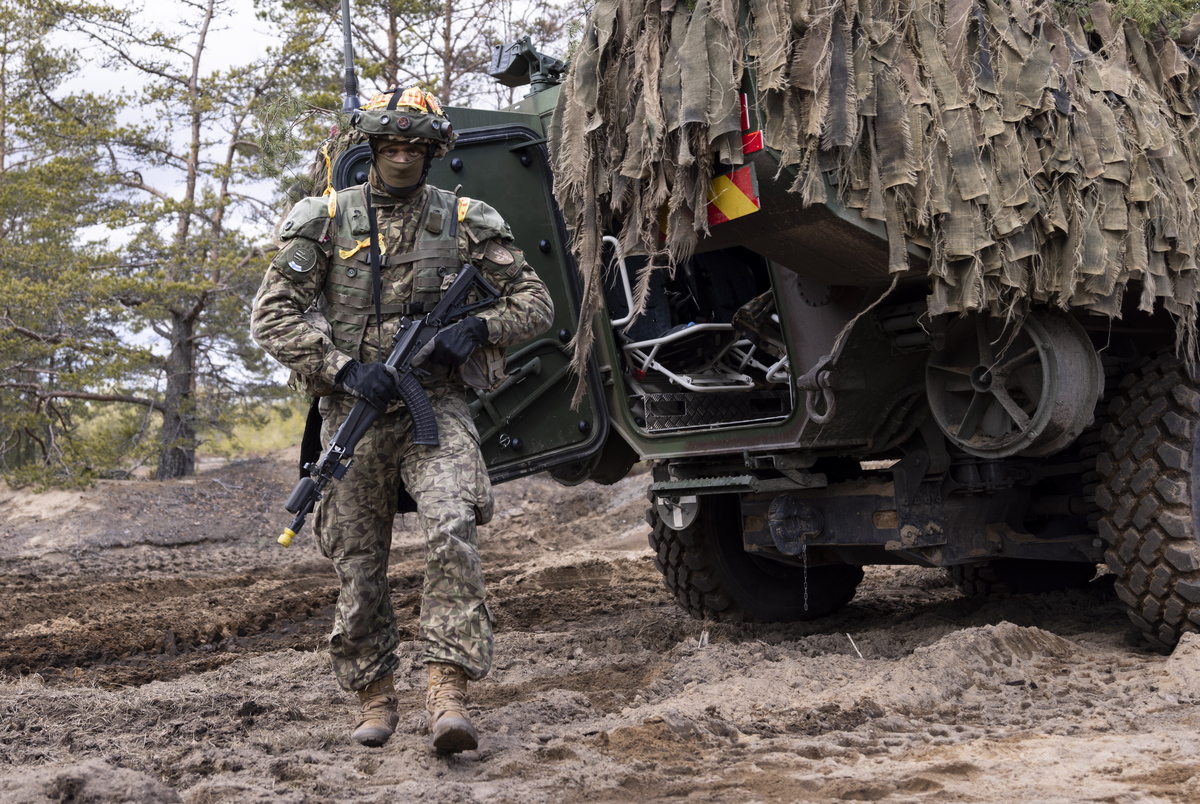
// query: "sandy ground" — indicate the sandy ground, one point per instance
point(156, 645)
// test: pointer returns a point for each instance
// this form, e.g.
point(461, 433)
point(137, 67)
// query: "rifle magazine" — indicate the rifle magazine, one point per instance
point(425, 429)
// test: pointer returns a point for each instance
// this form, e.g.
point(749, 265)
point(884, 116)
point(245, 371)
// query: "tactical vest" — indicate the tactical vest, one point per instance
point(346, 301)
point(345, 310)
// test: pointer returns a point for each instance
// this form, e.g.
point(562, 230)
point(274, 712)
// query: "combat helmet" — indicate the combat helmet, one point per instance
point(412, 115)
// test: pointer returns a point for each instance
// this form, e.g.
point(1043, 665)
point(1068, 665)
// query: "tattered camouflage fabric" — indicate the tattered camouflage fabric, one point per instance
point(1042, 157)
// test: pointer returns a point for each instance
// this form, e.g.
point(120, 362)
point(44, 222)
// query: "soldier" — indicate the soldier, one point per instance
point(316, 314)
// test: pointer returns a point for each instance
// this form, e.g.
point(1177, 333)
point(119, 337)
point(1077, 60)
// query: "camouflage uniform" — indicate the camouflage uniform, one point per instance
point(296, 322)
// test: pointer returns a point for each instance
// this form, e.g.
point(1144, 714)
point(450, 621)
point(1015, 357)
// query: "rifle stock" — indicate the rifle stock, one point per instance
point(408, 340)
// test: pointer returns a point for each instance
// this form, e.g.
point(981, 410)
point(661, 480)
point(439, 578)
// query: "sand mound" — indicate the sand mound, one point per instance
point(90, 782)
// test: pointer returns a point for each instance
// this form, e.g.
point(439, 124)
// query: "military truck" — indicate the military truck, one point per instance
point(814, 391)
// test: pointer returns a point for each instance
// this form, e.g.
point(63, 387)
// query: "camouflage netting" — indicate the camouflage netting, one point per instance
point(1041, 156)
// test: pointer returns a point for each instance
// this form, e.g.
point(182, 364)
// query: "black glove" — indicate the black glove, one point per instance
point(454, 345)
point(378, 383)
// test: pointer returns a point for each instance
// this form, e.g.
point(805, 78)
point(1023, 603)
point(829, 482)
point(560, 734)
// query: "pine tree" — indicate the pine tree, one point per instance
point(147, 323)
point(59, 345)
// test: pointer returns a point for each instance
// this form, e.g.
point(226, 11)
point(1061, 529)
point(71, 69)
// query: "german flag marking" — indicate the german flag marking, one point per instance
point(733, 195)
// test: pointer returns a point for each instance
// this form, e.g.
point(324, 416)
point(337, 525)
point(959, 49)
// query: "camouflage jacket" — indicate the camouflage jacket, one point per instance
point(314, 311)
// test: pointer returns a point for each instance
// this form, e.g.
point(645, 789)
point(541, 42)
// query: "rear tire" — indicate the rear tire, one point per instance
point(1148, 495)
point(710, 574)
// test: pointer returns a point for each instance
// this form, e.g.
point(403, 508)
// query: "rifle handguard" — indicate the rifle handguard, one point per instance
point(300, 495)
point(424, 420)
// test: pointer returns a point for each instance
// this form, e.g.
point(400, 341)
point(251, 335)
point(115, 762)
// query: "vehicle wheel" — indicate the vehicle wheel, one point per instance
point(1000, 388)
point(705, 568)
point(570, 474)
point(1090, 446)
point(1148, 495)
point(1020, 576)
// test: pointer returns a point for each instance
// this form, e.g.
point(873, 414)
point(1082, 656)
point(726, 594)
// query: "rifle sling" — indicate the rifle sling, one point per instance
point(376, 279)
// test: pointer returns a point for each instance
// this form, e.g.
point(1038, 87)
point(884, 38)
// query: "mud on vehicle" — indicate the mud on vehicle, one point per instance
point(809, 375)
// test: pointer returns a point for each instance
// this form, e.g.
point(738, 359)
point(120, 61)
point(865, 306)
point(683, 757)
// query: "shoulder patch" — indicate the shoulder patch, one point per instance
point(497, 253)
point(300, 258)
point(463, 204)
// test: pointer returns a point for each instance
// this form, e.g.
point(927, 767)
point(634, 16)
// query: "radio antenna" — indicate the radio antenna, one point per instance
point(351, 103)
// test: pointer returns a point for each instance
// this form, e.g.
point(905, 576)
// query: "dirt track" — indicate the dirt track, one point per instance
point(158, 646)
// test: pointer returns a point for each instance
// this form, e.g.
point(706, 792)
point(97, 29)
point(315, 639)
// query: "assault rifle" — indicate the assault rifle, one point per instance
point(408, 340)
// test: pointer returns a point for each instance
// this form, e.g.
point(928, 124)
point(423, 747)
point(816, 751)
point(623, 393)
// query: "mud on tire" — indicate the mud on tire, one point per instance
point(1149, 499)
point(709, 573)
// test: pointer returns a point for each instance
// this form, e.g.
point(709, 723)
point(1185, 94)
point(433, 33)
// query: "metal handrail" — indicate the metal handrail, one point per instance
point(619, 259)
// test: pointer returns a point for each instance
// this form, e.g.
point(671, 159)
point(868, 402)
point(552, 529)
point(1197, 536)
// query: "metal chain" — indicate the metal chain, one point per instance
point(804, 555)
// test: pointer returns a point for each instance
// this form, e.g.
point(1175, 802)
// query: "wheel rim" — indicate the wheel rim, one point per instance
point(1001, 388)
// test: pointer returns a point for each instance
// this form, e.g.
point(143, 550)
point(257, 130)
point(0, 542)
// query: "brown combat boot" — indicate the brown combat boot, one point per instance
point(377, 712)
point(450, 729)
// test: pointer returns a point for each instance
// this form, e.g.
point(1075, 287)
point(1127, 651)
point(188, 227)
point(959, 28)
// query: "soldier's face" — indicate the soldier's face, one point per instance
point(402, 152)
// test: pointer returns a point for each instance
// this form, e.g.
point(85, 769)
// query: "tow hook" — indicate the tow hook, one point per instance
point(818, 384)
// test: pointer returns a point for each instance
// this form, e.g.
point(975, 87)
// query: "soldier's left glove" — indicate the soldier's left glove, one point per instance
point(454, 345)
point(378, 383)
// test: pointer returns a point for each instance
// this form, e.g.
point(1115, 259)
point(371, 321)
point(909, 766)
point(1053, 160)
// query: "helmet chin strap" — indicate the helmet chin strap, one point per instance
point(401, 192)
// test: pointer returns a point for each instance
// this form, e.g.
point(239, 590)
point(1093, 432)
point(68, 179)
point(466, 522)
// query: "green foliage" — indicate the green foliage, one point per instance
point(57, 327)
point(575, 24)
point(267, 428)
point(280, 136)
point(1153, 18)
point(129, 239)
point(442, 46)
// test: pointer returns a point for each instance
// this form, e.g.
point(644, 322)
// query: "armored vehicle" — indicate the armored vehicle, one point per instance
point(928, 306)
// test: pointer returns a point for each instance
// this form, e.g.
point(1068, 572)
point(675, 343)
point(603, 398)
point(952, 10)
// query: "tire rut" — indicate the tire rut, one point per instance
point(119, 633)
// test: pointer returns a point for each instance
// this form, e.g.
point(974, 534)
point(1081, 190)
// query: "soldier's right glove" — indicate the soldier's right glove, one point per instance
point(453, 345)
point(378, 383)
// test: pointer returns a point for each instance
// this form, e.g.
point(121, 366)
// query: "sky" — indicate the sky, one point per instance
point(234, 40)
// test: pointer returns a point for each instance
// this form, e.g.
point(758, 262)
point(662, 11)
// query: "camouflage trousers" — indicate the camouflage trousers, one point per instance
point(353, 527)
